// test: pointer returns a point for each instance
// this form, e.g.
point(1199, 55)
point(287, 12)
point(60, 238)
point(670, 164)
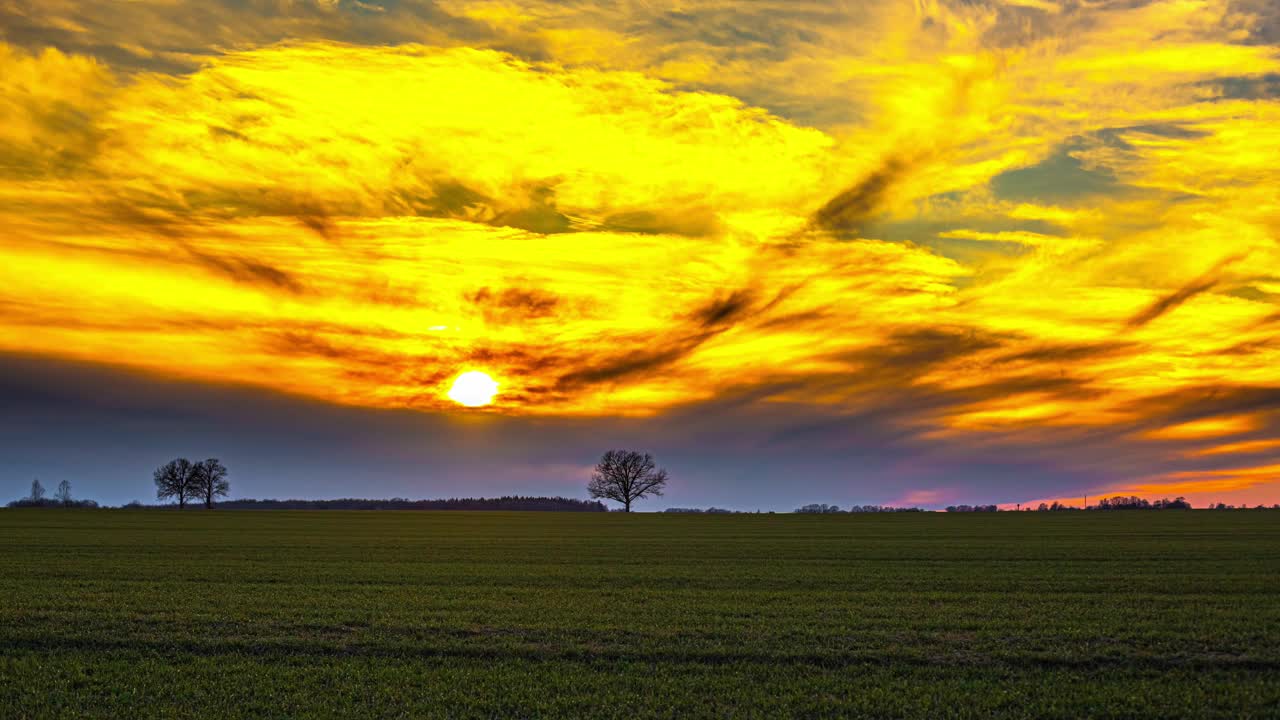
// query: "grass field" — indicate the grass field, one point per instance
point(452, 614)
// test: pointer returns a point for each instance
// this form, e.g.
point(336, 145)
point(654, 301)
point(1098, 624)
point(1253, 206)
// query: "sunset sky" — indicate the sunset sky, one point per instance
point(851, 252)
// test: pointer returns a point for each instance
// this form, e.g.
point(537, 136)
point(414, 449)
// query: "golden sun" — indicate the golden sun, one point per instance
point(473, 389)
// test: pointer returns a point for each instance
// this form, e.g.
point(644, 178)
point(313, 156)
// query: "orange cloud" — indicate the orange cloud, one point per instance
point(1207, 428)
point(1006, 222)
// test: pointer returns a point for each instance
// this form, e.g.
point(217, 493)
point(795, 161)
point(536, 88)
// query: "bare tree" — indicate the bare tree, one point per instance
point(64, 493)
point(209, 481)
point(174, 480)
point(626, 476)
point(37, 490)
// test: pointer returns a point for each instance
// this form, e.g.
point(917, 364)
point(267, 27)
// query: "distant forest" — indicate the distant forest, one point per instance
point(622, 475)
point(1119, 502)
point(62, 498)
point(507, 502)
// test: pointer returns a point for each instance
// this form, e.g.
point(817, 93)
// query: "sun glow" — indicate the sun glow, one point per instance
point(473, 389)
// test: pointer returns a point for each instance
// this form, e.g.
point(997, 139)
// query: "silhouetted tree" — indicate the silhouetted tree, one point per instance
point(175, 479)
point(209, 481)
point(626, 476)
point(64, 493)
point(37, 491)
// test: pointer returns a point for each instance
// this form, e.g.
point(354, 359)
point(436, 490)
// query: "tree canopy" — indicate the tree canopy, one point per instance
point(626, 476)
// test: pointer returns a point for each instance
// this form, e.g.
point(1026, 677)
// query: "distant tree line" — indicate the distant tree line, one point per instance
point(1133, 502)
point(1136, 503)
point(818, 509)
point(823, 508)
point(61, 498)
point(1119, 502)
point(509, 502)
point(1057, 507)
point(624, 476)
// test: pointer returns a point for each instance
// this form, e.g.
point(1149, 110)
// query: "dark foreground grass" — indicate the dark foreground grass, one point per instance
point(453, 614)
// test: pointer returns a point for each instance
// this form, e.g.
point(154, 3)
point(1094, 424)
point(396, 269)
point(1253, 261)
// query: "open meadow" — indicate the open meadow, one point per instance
point(488, 614)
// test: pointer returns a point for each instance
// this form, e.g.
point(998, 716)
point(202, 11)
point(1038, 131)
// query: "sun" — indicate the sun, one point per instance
point(473, 389)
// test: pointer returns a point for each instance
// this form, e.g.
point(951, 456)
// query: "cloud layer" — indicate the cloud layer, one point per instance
point(966, 231)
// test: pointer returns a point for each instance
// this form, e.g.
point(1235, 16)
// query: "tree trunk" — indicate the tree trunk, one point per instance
point(182, 502)
point(627, 506)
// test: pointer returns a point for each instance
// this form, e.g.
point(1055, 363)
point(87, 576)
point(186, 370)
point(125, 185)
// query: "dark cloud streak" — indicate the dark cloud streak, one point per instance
point(851, 209)
point(1169, 302)
point(248, 271)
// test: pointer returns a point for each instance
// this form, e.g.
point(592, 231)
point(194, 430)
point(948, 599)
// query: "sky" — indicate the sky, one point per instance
point(920, 253)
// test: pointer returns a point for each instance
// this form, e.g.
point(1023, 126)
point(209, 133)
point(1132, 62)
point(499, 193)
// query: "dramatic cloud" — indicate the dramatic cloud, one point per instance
point(1033, 239)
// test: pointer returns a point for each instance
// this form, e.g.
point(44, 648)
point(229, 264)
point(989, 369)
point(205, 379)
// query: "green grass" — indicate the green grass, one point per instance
point(451, 614)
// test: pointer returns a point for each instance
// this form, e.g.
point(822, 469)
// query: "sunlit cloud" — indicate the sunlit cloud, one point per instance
point(988, 224)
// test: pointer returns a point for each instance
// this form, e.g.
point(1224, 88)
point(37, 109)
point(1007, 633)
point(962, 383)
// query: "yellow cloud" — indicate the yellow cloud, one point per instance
point(605, 217)
point(460, 133)
point(47, 104)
